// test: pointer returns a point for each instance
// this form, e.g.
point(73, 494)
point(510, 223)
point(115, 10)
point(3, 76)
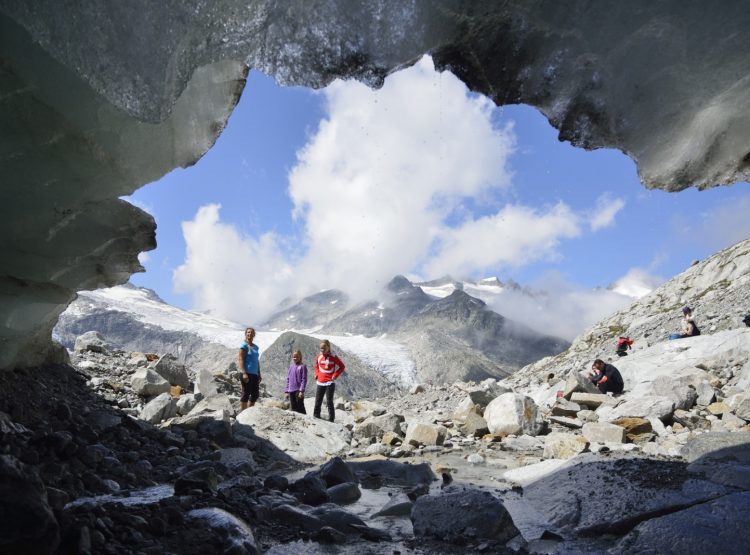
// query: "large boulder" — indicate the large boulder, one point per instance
point(683, 395)
point(561, 445)
point(159, 408)
point(512, 413)
point(377, 426)
point(422, 433)
point(603, 432)
point(454, 516)
point(643, 407)
point(301, 437)
point(91, 341)
point(717, 526)
point(147, 383)
point(172, 371)
point(578, 382)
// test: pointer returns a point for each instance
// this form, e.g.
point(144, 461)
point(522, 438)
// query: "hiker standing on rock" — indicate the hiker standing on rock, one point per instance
point(328, 367)
point(296, 381)
point(606, 377)
point(249, 358)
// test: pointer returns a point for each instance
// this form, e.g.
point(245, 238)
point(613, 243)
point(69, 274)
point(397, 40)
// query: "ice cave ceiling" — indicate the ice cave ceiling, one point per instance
point(98, 98)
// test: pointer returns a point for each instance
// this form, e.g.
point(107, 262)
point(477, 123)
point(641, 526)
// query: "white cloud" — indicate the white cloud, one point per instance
point(605, 211)
point(563, 310)
point(636, 283)
point(516, 235)
point(381, 189)
point(238, 277)
point(386, 168)
point(143, 258)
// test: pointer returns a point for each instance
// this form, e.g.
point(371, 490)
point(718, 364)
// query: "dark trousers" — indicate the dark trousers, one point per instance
point(250, 388)
point(297, 402)
point(328, 391)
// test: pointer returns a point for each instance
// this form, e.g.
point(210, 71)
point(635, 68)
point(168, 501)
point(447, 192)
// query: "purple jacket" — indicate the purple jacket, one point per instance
point(296, 379)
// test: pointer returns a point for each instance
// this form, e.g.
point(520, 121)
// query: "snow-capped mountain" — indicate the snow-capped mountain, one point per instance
point(136, 319)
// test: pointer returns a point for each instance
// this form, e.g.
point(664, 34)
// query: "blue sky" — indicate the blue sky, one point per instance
point(347, 187)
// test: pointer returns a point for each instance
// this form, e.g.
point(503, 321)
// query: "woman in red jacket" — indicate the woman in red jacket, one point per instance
point(328, 367)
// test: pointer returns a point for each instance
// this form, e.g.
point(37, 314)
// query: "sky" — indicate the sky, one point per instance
point(347, 187)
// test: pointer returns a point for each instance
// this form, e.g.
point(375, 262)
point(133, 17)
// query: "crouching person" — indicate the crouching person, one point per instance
point(606, 377)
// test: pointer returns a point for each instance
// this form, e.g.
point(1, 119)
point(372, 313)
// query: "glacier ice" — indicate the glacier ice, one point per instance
point(97, 99)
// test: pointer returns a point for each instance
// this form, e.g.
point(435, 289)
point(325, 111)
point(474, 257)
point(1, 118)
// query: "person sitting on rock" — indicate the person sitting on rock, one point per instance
point(689, 327)
point(606, 377)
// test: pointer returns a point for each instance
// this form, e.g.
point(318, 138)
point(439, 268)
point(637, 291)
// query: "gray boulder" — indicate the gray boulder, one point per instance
point(454, 516)
point(147, 383)
point(172, 371)
point(511, 413)
point(159, 408)
point(91, 341)
point(343, 494)
point(603, 432)
point(421, 433)
point(683, 395)
point(560, 445)
point(720, 525)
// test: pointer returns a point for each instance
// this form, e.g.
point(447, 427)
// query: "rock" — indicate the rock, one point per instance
point(718, 408)
point(206, 384)
point(295, 518)
point(475, 458)
point(377, 426)
point(418, 388)
point(602, 432)
point(643, 407)
point(558, 445)
point(398, 505)
point(277, 482)
point(473, 425)
point(741, 406)
point(159, 408)
point(683, 395)
point(591, 400)
point(336, 471)
point(717, 446)
point(591, 485)
point(147, 383)
point(172, 371)
point(236, 535)
point(91, 341)
point(186, 403)
point(563, 407)
point(636, 429)
point(523, 443)
point(579, 382)
point(706, 393)
point(335, 517)
point(455, 516)
point(700, 529)
point(218, 402)
point(391, 438)
point(301, 437)
point(377, 449)
point(343, 494)
point(587, 415)
point(567, 422)
point(511, 413)
point(310, 490)
point(28, 524)
point(203, 478)
point(378, 473)
point(462, 411)
point(364, 409)
point(420, 433)
point(193, 420)
point(237, 457)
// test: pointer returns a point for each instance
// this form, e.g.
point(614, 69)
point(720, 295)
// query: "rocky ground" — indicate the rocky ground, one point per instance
point(119, 454)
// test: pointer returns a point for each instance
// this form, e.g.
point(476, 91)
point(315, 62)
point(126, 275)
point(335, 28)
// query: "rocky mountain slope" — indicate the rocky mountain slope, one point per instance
point(717, 289)
point(449, 337)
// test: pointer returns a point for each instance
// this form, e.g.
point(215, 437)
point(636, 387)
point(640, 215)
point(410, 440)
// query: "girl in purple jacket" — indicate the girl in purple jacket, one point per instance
point(296, 381)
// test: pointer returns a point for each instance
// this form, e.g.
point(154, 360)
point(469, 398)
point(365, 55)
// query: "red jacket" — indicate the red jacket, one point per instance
point(328, 368)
